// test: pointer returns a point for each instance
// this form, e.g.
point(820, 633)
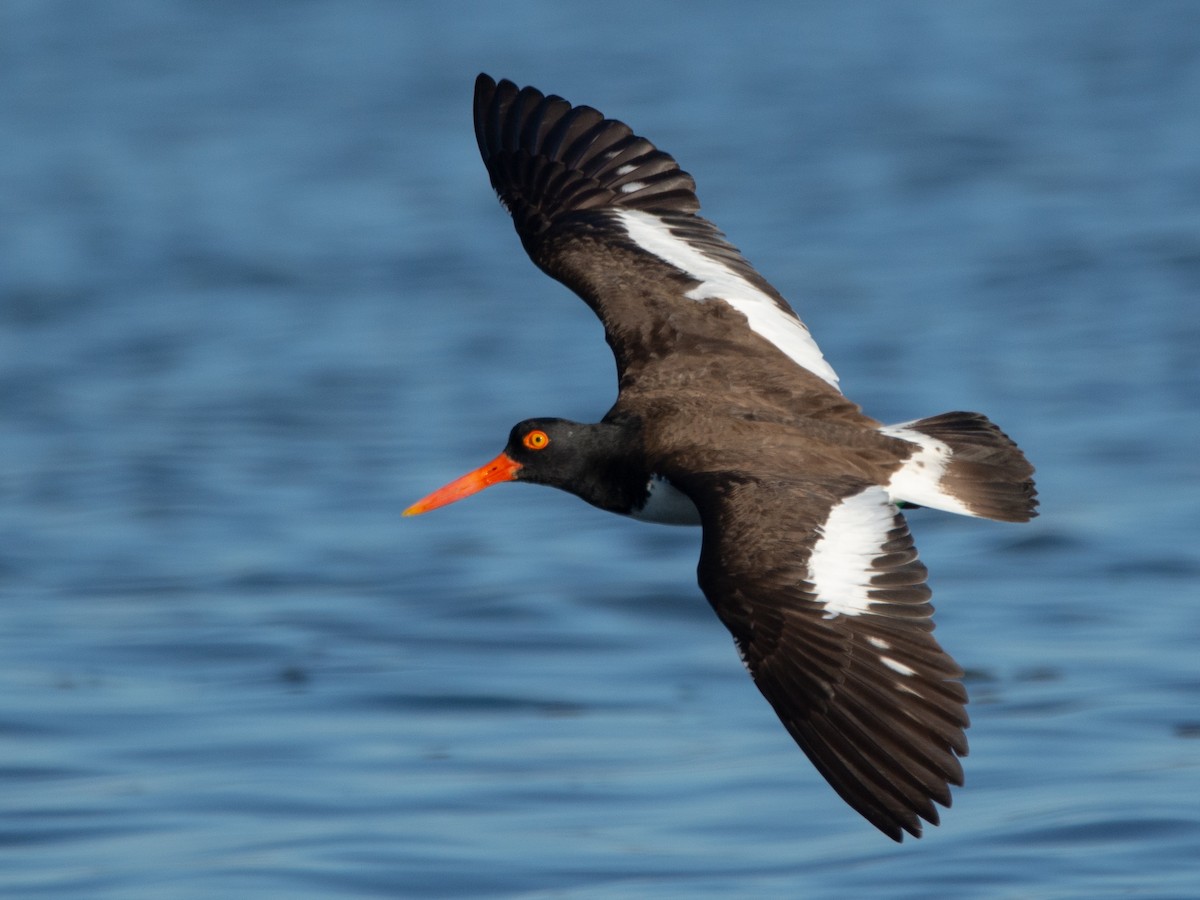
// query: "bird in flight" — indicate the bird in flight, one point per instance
point(729, 417)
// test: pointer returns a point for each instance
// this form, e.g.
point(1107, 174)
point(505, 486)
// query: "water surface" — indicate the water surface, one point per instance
point(256, 297)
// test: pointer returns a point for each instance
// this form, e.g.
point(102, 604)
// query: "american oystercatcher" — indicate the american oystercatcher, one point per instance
point(729, 417)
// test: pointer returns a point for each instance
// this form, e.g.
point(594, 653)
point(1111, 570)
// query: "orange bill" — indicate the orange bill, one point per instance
point(502, 468)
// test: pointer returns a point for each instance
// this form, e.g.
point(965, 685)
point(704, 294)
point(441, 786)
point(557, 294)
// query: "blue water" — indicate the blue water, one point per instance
point(256, 297)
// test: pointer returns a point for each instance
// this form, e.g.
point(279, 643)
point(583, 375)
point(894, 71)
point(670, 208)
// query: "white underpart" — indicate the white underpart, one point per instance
point(919, 480)
point(667, 505)
point(765, 318)
point(841, 565)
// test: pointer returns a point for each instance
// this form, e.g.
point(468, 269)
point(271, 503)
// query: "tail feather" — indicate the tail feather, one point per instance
point(964, 464)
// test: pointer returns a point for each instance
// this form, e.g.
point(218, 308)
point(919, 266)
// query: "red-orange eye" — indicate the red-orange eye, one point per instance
point(536, 440)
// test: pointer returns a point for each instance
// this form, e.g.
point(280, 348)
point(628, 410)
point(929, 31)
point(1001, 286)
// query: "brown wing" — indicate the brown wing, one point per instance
point(822, 589)
point(612, 217)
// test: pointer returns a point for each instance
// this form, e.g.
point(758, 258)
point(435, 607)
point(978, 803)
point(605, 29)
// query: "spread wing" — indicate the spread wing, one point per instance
point(822, 589)
point(613, 218)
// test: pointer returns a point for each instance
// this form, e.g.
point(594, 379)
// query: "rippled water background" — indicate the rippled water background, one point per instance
point(256, 297)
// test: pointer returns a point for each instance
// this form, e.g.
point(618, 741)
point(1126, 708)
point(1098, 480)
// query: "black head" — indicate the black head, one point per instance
point(601, 463)
point(549, 451)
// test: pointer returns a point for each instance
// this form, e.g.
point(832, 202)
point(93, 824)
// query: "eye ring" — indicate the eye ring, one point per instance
point(536, 440)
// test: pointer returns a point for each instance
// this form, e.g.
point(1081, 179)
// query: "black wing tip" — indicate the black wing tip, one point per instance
point(897, 801)
point(547, 158)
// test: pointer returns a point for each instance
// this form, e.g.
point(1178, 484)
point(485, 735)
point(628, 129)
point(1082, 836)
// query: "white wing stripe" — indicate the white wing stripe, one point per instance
point(841, 564)
point(718, 282)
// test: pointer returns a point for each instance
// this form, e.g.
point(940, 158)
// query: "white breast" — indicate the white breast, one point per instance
point(666, 505)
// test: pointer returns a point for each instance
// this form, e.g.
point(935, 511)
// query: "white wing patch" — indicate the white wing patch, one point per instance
point(919, 480)
point(718, 282)
point(841, 564)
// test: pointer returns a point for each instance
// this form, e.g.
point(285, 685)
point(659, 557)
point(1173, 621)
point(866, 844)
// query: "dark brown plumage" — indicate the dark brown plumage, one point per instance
point(729, 417)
